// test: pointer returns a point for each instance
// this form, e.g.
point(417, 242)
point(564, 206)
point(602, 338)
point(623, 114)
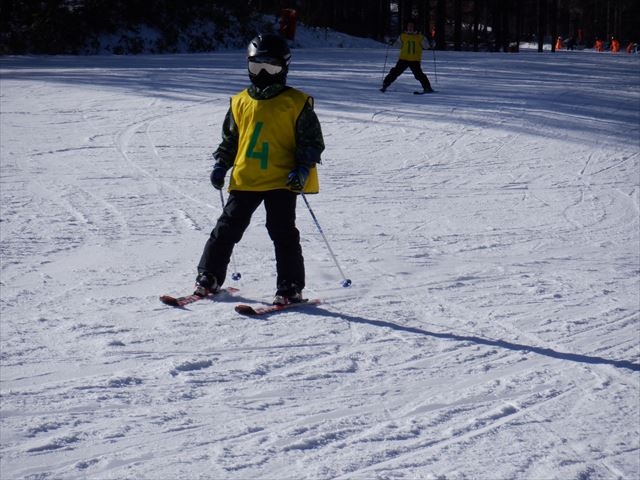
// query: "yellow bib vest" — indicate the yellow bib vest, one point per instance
point(267, 143)
point(411, 47)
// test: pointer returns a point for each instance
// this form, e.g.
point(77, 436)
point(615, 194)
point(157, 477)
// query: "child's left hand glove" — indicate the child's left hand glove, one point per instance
point(217, 176)
point(298, 177)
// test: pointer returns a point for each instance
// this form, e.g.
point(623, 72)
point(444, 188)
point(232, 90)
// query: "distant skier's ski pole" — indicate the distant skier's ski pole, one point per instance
point(435, 71)
point(345, 281)
point(235, 275)
point(386, 55)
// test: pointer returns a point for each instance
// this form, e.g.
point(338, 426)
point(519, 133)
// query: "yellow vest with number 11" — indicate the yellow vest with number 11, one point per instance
point(411, 46)
point(267, 143)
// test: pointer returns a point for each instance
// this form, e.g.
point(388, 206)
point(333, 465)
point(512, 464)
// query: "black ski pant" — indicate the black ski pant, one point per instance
point(280, 207)
point(399, 69)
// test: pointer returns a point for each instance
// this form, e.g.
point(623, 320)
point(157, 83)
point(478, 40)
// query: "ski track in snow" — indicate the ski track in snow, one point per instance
point(491, 232)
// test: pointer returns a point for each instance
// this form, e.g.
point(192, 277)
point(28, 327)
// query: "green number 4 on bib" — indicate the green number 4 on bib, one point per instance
point(263, 154)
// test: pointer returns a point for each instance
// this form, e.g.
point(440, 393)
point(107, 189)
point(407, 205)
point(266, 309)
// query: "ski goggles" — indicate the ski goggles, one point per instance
point(272, 66)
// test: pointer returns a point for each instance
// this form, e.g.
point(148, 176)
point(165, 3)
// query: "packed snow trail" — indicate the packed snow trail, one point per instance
point(490, 229)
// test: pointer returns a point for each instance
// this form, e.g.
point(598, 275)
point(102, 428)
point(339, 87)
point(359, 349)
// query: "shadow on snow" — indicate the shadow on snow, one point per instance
point(548, 352)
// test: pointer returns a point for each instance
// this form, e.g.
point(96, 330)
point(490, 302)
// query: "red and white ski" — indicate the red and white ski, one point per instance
point(265, 309)
point(187, 299)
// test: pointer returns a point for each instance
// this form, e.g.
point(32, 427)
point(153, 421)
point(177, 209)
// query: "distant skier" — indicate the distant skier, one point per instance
point(272, 138)
point(598, 45)
point(411, 45)
point(615, 45)
point(559, 43)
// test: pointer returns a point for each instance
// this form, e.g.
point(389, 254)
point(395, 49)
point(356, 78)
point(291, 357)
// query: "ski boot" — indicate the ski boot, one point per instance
point(287, 293)
point(206, 284)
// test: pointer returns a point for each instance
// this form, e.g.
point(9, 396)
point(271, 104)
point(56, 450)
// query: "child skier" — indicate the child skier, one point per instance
point(411, 45)
point(272, 141)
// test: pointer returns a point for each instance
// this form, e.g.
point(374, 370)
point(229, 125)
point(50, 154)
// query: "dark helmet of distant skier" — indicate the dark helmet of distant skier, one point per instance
point(268, 57)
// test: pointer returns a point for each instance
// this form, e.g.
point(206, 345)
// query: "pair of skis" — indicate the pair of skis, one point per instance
point(181, 302)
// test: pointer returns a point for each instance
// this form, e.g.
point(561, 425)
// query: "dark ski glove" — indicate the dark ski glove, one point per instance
point(217, 176)
point(298, 177)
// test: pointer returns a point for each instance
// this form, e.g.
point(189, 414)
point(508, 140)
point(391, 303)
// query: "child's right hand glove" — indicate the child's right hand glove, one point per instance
point(298, 177)
point(217, 176)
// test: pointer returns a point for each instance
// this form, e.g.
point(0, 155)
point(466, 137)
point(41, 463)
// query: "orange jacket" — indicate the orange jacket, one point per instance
point(615, 45)
point(559, 43)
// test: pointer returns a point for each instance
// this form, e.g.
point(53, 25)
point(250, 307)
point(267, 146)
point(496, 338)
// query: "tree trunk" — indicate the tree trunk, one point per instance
point(553, 19)
point(441, 13)
point(457, 22)
point(542, 14)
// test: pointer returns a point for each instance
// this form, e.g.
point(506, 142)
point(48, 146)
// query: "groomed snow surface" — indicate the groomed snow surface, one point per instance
point(490, 230)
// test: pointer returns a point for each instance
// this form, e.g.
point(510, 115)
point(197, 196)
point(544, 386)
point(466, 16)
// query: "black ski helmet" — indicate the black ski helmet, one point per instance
point(268, 49)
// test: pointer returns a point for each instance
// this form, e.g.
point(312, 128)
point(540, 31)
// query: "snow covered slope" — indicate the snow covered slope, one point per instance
point(491, 232)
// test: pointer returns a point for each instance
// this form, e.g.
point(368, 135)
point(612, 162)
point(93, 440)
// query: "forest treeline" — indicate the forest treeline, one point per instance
point(122, 26)
point(81, 26)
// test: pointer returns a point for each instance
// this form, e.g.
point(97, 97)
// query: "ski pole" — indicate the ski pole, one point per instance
point(435, 71)
point(235, 275)
point(345, 281)
point(386, 55)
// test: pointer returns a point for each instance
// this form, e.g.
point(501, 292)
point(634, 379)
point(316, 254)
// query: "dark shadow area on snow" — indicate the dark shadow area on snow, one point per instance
point(158, 76)
point(527, 92)
point(548, 352)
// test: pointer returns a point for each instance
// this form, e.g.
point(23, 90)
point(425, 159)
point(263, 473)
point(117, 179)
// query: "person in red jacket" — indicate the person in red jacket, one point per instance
point(559, 43)
point(599, 46)
point(615, 45)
